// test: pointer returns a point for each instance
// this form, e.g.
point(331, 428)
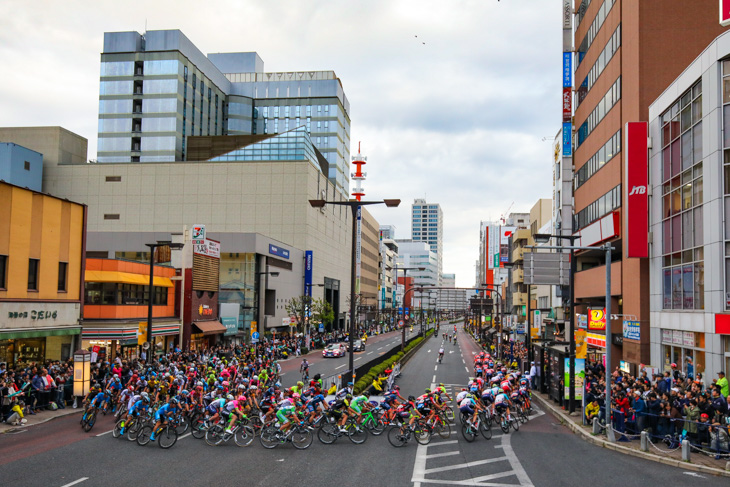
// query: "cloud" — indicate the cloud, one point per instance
point(458, 119)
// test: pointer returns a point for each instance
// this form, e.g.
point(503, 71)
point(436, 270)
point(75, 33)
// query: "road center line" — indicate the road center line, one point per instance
point(369, 353)
point(380, 348)
point(340, 366)
point(466, 368)
point(515, 462)
point(434, 378)
point(82, 479)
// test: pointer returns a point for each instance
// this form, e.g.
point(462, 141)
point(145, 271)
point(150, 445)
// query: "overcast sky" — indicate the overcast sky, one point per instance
point(458, 120)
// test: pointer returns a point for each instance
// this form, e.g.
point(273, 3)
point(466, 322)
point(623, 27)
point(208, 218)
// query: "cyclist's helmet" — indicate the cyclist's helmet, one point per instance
point(225, 383)
point(145, 397)
point(349, 384)
point(300, 384)
point(255, 377)
point(199, 384)
point(229, 397)
point(295, 396)
point(366, 394)
point(174, 401)
point(427, 391)
point(411, 398)
point(397, 388)
point(674, 366)
point(348, 396)
point(184, 392)
point(131, 388)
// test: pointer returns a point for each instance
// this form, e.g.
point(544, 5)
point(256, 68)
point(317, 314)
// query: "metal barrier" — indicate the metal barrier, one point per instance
point(393, 375)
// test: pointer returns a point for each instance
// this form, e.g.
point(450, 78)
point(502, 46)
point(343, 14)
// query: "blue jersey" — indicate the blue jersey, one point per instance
point(138, 406)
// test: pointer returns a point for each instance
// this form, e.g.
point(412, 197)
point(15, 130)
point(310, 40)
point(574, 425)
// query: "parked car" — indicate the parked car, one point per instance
point(334, 350)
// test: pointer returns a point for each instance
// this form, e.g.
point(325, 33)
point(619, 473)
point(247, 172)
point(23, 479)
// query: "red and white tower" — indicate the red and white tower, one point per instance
point(358, 176)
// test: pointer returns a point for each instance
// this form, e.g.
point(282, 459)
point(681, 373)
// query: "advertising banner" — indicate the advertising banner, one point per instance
point(632, 330)
point(582, 321)
point(596, 319)
point(637, 186)
point(278, 251)
point(567, 104)
point(231, 325)
point(211, 248)
point(581, 344)
point(308, 256)
point(567, 70)
point(580, 377)
point(358, 246)
point(567, 139)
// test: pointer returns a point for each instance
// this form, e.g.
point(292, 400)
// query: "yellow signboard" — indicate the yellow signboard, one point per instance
point(142, 332)
point(581, 344)
point(534, 332)
point(254, 327)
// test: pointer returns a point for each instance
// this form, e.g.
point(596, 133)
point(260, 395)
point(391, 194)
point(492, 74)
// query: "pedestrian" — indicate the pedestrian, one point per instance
point(533, 375)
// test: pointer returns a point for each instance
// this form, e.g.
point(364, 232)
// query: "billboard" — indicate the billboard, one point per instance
point(637, 189)
point(596, 319)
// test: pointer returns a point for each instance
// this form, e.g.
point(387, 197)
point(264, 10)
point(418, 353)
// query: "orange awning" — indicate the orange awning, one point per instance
point(210, 327)
point(126, 278)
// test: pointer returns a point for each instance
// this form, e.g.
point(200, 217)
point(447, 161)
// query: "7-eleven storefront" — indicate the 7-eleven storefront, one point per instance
point(110, 341)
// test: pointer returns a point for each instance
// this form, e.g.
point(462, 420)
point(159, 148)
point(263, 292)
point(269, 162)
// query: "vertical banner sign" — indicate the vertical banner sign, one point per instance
point(357, 250)
point(637, 185)
point(580, 377)
point(596, 319)
point(567, 139)
point(308, 256)
point(567, 14)
point(581, 344)
point(567, 104)
point(724, 13)
point(567, 70)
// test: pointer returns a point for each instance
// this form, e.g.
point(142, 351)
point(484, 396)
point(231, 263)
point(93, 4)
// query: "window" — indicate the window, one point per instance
point(612, 96)
point(3, 271)
point(26, 165)
point(113, 179)
point(682, 196)
point(111, 216)
point(33, 265)
point(62, 275)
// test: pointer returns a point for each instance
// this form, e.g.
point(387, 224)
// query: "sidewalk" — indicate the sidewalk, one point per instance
point(699, 462)
point(39, 418)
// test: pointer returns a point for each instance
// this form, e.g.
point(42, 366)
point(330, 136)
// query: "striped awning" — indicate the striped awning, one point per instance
point(109, 333)
point(39, 333)
point(126, 278)
point(165, 330)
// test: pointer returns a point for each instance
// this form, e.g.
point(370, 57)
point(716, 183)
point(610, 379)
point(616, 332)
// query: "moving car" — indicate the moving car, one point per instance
point(334, 350)
point(358, 345)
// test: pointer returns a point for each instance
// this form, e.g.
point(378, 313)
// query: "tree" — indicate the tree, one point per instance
point(320, 311)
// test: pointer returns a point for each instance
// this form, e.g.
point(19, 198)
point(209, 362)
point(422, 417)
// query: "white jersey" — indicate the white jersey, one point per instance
point(460, 396)
point(441, 350)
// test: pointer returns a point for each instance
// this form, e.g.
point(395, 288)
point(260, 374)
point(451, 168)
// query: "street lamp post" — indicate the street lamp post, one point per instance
point(151, 294)
point(355, 207)
point(544, 238)
point(405, 284)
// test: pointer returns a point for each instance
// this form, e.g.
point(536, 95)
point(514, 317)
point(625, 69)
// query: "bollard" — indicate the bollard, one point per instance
point(685, 450)
point(644, 441)
point(596, 426)
point(727, 466)
point(610, 433)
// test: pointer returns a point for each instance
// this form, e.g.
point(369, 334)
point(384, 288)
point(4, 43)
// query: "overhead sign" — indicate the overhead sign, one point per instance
point(567, 139)
point(278, 251)
point(637, 189)
point(724, 13)
point(210, 248)
point(596, 319)
point(632, 330)
point(582, 320)
point(549, 268)
point(198, 233)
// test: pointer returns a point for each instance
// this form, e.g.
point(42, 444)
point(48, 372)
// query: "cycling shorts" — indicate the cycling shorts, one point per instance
point(385, 406)
point(466, 409)
point(356, 408)
point(311, 408)
point(501, 406)
point(160, 416)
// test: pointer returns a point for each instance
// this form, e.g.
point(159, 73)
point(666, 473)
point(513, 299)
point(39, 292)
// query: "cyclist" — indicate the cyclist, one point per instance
point(286, 409)
point(314, 405)
point(359, 403)
point(141, 405)
point(469, 406)
point(215, 408)
point(502, 403)
point(339, 409)
point(344, 391)
point(441, 354)
point(235, 410)
point(409, 410)
point(163, 415)
point(304, 369)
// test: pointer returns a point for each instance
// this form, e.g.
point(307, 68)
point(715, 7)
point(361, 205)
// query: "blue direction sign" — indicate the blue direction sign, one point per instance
point(255, 335)
point(321, 327)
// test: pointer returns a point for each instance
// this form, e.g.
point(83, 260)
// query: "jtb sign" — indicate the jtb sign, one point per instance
point(637, 197)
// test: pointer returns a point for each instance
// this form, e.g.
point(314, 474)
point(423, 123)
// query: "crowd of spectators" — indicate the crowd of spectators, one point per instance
point(34, 388)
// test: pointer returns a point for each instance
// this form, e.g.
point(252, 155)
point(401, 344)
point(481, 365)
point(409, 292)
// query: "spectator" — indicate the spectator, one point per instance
point(692, 414)
point(722, 382)
point(593, 410)
point(719, 437)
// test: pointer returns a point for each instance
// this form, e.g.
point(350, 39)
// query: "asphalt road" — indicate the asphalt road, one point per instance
point(542, 453)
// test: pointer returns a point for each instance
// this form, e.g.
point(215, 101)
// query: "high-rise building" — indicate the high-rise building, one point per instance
point(627, 53)
point(418, 254)
point(157, 89)
point(427, 225)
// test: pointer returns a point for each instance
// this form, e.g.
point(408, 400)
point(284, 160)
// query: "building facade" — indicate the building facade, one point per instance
point(427, 225)
point(21, 166)
point(689, 267)
point(627, 54)
point(42, 242)
point(419, 255)
point(157, 89)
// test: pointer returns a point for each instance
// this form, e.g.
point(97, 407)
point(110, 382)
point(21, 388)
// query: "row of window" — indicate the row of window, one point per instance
point(612, 96)
point(581, 11)
point(34, 266)
point(296, 111)
point(110, 293)
point(684, 286)
point(594, 28)
point(602, 156)
point(603, 59)
point(682, 133)
point(598, 209)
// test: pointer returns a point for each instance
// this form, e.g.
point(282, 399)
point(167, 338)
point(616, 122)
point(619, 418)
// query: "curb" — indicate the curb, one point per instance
point(585, 435)
point(22, 428)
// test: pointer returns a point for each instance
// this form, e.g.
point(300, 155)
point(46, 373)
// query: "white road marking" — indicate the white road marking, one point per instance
point(380, 348)
point(357, 359)
point(466, 465)
point(693, 474)
point(466, 368)
point(434, 378)
point(185, 435)
point(105, 433)
point(435, 368)
point(430, 352)
point(370, 353)
point(340, 366)
point(82, 479)
point(515, 462)
point(447, 454)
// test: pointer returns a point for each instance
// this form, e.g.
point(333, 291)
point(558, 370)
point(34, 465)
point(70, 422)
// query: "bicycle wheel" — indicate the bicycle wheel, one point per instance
point(327, 433)
point(117, 431)
point(468, 432)
point(133, 430)
point(199, 429)
point(143, 437)
point(395, 437)
point(522, 415)
point(301, 438)
point(244, 435)
point(357, 434)
point(168, 437)
point(486, 430)
point(90, 421)
point(449, 413)
point(376, 426)
point(214, 435)
point(269, 438)
point(504, 425)
point(442, 428)
point(183, 425)
point(422, 433)
point(515, 423)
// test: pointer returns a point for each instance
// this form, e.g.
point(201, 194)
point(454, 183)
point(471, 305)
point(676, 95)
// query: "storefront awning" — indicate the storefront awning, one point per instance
point(126, 278)
point(491, 331)
point(165, 330)
point(210, 327)
point(110, 333)
point(39, 333)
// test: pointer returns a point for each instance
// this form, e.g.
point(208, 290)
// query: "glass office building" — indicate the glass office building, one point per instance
point(157, 89)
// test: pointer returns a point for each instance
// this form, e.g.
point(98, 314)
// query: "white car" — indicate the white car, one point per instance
point(334, 350)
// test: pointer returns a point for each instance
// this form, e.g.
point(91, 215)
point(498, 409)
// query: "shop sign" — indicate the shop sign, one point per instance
point(637, 183)
point(278, 251)
point(596, 340)
point(210, 248)
point(632, 330)
point(198, 234)
point(624, 367)
point(231, 325)
point(308, 257)
point(286, 321)
point(582, 321)
point(567, 14)
point(666, 336)
point(597, 319)
point(567, 139)
point(688, 339)
point(567, 104)
point(677, 337)
point(205, 310)
point(20, 315)
point(617, 339)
